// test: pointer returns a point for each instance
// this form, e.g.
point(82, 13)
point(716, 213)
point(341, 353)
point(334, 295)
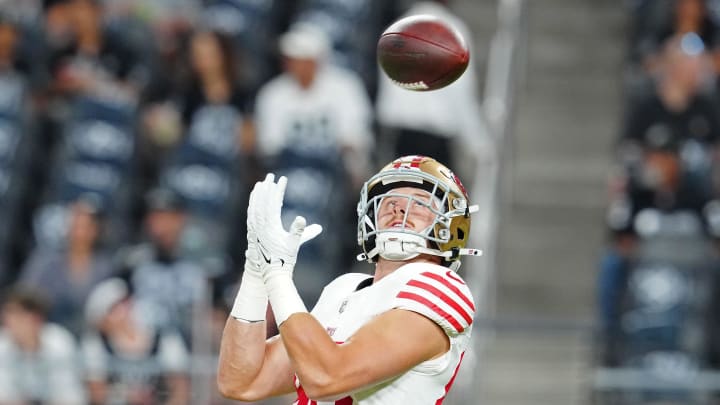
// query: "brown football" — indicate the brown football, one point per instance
point(422, 52)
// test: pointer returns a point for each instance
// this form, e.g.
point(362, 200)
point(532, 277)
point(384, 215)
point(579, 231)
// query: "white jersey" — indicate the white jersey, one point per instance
point(431, 290)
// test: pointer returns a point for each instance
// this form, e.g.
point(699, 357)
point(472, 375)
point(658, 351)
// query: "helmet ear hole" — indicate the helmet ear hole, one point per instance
point(444, 234)
point(461, 234)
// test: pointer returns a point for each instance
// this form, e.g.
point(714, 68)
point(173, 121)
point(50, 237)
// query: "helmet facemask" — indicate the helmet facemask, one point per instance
point(400, 241)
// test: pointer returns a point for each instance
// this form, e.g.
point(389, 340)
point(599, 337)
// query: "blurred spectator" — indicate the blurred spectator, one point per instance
point(213, 163)
point(314, 109)
point(209, 167)
point(67, 276)
point(676, 120)
point(126, 361)
point(446, 124)
point(95, 62)
point(167, 287)
point(678, 17)
point(215, 84)
point(680, 91)
point(38, 360)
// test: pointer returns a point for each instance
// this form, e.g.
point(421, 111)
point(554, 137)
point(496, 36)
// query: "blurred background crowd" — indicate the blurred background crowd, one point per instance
point(130, 134)
point(658, 286)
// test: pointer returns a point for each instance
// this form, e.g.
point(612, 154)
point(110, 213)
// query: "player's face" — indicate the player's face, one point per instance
point(413, 201)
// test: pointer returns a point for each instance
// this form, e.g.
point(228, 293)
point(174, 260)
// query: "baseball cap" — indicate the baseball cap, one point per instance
point(303, 41)
point(103, 297)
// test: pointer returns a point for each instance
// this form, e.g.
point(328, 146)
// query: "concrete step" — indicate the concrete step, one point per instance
point(548, 269)
point(530, 368)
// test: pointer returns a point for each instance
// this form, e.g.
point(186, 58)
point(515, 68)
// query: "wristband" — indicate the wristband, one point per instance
point(251, 300)
point(284, 297)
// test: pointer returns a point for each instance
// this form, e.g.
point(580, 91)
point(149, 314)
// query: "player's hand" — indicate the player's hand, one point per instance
point(251, 300)
point(253, 260)
point(277, 247)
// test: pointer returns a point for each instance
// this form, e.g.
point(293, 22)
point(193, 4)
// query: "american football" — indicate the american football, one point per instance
point(422, 53)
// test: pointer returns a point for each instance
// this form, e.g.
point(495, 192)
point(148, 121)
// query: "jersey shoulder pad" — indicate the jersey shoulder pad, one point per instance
point(436, 292)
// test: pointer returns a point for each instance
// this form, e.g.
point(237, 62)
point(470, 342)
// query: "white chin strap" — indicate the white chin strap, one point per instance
point(399, 246)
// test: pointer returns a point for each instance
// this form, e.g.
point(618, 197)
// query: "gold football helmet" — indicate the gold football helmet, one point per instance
point(448, 200)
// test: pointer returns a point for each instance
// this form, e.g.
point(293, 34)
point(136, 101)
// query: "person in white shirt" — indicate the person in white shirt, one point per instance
point(315, 109)
point(397, 337)
point(38, 359)
point(126, 361)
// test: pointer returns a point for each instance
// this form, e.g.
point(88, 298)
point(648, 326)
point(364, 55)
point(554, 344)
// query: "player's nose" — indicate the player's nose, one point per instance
point(397, 207)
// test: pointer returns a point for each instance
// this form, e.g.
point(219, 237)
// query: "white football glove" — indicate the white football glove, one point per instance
point(251, 301)
point(253, 260)
point(276, 245)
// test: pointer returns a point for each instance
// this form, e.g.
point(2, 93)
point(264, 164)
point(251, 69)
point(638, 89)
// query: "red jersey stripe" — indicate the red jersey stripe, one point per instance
point(429, 288)
point(452, 380)
point(452, 288)
point(431, 305)
point(302, 398)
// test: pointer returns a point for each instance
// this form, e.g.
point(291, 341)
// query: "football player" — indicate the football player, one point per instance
point(396, 337)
